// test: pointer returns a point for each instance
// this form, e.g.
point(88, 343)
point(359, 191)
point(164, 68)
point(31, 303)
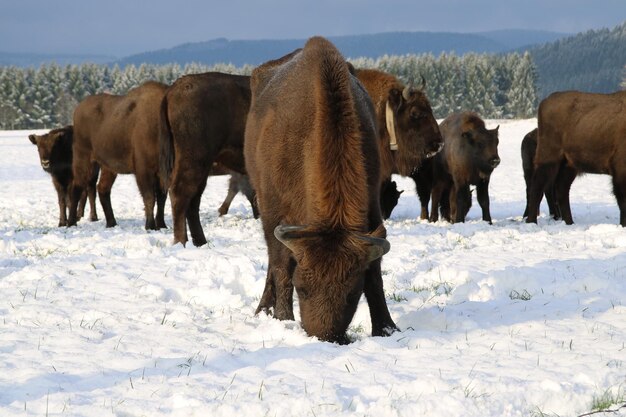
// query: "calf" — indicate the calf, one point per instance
point(469, 156)
point(312, 156)
point(55, 156)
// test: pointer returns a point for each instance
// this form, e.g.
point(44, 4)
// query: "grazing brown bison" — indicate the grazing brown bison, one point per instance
point(312, 157)
point(469, 156)
point(120, 133)
point(528, 149)
point(55, 156)
point(203, 117)
point(579, 132)
point(389, 196)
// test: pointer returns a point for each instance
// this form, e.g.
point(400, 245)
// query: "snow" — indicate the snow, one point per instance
point(511, 319)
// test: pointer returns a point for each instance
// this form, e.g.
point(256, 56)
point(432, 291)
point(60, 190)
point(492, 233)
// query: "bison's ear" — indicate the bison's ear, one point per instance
point(496, 129)
point(33, 139)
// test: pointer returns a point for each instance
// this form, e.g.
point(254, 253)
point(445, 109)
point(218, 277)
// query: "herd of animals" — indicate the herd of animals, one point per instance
point(313, 142)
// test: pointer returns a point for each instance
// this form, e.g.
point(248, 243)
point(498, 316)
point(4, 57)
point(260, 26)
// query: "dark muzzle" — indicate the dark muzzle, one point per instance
point(494, 162)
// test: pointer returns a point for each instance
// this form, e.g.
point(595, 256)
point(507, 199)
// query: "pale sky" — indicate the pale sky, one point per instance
point(123, 27)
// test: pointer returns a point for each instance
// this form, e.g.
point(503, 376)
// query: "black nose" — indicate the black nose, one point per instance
point(494, 162)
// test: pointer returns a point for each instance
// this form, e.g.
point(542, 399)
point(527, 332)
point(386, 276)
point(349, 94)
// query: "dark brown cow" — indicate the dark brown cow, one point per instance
point(469, 156)
point(120, 133)
point(528, 149)
point(55, 156)
point(312, 156)
point(203, 117)
point(407, 130)
point(579, 132)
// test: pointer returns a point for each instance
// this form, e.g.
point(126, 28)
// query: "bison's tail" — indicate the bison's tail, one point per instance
point(338, 127)
point(166, 147)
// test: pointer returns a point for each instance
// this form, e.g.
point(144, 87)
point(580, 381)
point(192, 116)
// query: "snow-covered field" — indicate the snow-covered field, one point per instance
point(512, 319)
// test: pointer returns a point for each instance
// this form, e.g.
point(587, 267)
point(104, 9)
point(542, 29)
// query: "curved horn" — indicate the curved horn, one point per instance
point(287, 234)
point(423, 85)
point(377, 246)
point(406, 93)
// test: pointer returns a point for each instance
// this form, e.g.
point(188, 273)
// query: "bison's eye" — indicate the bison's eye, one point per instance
point(416, 114)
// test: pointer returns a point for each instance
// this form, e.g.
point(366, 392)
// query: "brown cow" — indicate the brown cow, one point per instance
point(407, 130)
point(120, 133)
point(579, 132)
point(312, 157)
point(528, 149)
point(203, 117)
point(55, 156)
point(469, 157)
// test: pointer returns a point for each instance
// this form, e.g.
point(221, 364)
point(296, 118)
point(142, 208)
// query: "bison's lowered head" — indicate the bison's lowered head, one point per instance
point(329, 275)
point(482, 149)
point(53, 148)
point(410, 119)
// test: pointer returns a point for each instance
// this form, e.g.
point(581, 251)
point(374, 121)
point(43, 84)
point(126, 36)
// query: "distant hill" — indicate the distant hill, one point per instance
point(8, 59)
point(254, 52)
point(591, 61)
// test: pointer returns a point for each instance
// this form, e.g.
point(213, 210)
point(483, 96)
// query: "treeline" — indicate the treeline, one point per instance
point(496, 86)
point(591, 61)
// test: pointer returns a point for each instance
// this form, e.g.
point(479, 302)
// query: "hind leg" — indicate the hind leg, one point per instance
point(161, 197)
point(232, 192)
point(619, 189)
point(82, 171)
point(107, 178)
point(147, 185)
point(193, 216)
point(543, 175)
point(561, 188)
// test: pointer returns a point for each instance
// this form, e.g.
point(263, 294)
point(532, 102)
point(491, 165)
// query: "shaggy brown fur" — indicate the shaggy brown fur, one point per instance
point(579, 132)
point(312, 157)
point(55, 156)
point(120, 133)
point(416, 128)
point(469, 156)
point(203, 118)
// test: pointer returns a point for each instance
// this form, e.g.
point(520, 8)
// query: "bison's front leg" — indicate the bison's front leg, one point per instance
point(382, 323)
point(543, 175)
point(463, 203)
point(482, 195)
point(62, 196)
point(277, 296)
